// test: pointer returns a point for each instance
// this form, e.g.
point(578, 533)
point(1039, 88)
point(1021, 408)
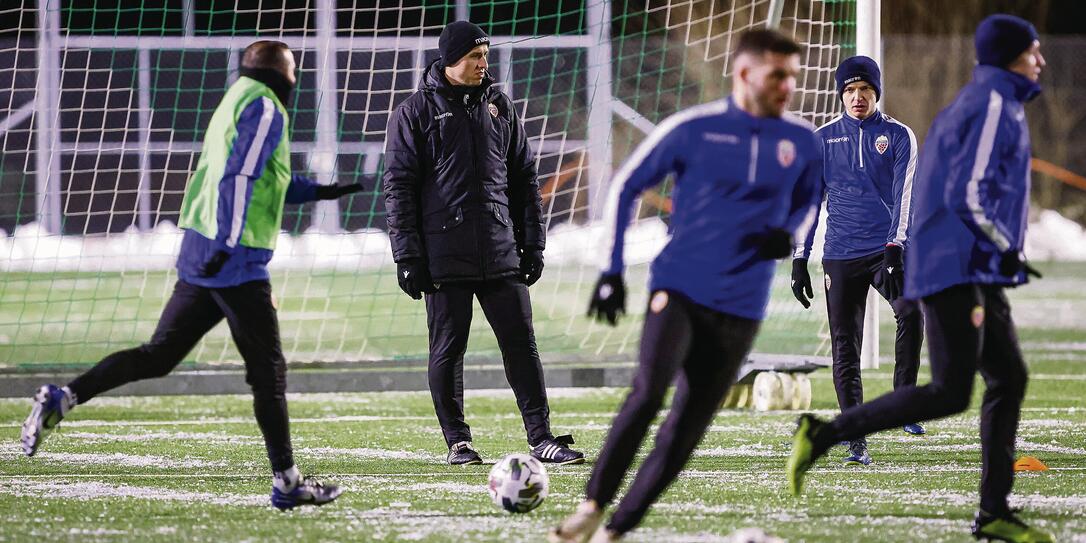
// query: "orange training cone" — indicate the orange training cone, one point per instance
point(1029, 463)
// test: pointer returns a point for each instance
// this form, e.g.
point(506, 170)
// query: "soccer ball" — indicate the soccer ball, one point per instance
point(518, 483)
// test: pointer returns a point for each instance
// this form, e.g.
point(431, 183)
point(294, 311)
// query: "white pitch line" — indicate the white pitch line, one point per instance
point(578, 471)
point(317, 420)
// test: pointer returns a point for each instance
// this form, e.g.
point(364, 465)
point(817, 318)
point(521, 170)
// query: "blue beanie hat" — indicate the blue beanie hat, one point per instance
point(1001, 38)
point(859, 68)
point(458, 39)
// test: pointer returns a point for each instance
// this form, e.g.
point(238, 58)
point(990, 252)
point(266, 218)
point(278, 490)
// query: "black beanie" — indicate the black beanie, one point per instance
point(858, 68)
point(458, 38)
point(1001, 38)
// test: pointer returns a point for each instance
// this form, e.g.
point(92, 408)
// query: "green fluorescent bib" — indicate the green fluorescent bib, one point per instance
point(264, 215)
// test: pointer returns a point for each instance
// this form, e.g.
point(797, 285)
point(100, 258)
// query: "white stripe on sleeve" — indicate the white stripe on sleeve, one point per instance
point(800, 235)
point(983, 155)
point(907, 188)
point(248, 168)
point(618, 182)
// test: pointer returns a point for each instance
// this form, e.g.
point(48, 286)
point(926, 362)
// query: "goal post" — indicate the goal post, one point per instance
point(869, 43)
point(106, 117)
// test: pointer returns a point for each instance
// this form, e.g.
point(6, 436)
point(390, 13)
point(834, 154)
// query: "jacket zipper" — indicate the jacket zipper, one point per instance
point(753, 159)
point(475, 173)
point(860, 147)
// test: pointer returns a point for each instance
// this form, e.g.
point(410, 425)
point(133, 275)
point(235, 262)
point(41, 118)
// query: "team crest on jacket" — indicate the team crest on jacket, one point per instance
point(786, 153)
point(493, 109)
point(977, 316)
point(659, 301)
point(882, 143)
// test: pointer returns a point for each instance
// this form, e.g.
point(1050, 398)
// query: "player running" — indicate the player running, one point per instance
point(746, 180)
point(970, 209)
point(231, 213)
point(869, 160)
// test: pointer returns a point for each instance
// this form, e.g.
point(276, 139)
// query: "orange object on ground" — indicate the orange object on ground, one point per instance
point(1029, 463)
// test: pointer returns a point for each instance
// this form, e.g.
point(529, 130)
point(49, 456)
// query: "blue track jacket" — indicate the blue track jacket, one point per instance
point(867, 181)
point(735, 175)
point(245, 263)
point(972, 186)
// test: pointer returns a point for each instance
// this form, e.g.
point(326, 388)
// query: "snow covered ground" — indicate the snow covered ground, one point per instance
point(30, 248)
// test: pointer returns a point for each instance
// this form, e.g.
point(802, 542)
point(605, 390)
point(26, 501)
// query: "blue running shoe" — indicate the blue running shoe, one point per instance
point(51, 403)
point(308, 492)
point(857, 454)
point(914, 429)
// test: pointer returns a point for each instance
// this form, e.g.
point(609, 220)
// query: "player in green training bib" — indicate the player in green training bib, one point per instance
point(232, 212)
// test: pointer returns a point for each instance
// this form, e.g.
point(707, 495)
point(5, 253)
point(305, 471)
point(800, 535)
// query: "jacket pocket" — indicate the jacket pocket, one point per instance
point(501, 243)
point(443, 221)
point(501, 213)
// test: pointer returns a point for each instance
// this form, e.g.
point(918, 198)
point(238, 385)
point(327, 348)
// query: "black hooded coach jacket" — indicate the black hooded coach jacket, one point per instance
point(460, 181)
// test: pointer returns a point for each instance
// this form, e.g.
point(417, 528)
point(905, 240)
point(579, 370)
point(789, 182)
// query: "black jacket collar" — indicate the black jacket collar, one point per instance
point(434, 80)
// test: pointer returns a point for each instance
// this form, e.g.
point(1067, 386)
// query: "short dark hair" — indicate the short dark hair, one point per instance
point(764, 40)
point(265, 54)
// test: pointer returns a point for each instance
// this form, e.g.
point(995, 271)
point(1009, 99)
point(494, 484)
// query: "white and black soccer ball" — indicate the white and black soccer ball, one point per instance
point(518, 483)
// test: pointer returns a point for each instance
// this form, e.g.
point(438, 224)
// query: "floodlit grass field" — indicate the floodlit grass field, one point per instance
point(75, 319)
point(193, 469)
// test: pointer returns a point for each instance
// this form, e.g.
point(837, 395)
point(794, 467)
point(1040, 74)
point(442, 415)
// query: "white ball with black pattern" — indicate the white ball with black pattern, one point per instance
point(518, 483)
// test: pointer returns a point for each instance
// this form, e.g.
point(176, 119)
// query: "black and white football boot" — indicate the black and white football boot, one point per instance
point(557, 451)
point(462, 453)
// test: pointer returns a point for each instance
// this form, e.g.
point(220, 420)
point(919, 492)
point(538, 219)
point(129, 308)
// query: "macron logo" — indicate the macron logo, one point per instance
point(837, 140)
point(716, 137)
point(443, 115)
point(484, 39)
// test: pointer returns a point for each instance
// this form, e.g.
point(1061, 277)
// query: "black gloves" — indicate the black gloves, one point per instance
point(770, 244)
point(893, 264)
point(1011, 262)
point(213, 264)
point(331, 192)
point(531, 266)
point(608, 298)
point(801, 282)
point(414, 277)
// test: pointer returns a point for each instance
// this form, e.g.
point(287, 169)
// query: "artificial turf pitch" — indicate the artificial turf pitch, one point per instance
point(188, 468)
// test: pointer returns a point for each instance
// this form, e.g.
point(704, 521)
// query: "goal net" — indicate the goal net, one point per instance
point(105, 106)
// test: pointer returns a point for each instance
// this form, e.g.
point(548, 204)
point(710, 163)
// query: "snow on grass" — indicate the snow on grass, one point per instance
point(1022, 446)
point(367, 453)
point(1037, 502)
point(753, 449)
point(95, 490)
point(552, 392)
point(202, 437)
point(211, 421)
point(450, 488)
point(402, 522)
point(13, 450)
point(118, 460)
point(95, 531)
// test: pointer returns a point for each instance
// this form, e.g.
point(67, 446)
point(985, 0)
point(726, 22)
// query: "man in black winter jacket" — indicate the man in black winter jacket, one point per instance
point(465, 220)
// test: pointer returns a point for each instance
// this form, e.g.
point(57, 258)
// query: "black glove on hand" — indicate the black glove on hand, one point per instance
point(214, 264)
point(893, 264)
point(771, 244)
point(414, 278)
point(531, 266)
point(608, 298)
point(331, 192)
point(801, 282)
point(1011, 262)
